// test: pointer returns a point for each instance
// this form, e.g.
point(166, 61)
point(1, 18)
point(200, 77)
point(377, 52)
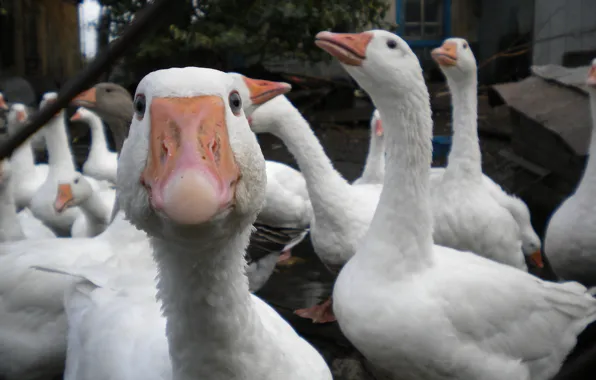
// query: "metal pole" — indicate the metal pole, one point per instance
point(86, 78)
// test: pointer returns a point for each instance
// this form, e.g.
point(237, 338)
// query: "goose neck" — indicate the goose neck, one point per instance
point(206, 302)
point(59, 152)
point(95, 210)
point(10, 226)
point(22, 160)
point(465, 160)
point(587, 184)
point(98, 137)
point(327, 189)
point(374, 167)
point(402, 224)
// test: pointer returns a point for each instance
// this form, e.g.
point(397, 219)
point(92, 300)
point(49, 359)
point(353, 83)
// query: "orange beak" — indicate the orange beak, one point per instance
point(379, 127)
point(3, 104)
point(262, 91)
point(191, 173)
point(21, 116)
point(76, 116)
point(349, 49)
point(446, 54)
point(536, 258)
point(64, 197)
point(86, 98)
point(591, 81)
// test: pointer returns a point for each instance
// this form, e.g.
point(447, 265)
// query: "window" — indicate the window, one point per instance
point(422, 19)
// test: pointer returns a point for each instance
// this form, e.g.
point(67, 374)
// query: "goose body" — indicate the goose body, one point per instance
point(438, 313)
point(214, 328)
point(101, 163)
point(27, 176)
point(570, 242)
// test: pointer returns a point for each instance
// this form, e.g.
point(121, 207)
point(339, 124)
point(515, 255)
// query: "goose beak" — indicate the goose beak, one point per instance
point(191, 173)
point(21, 116)
point(349, 49)
point(3, 104)
point(446, 54)
point(536, 259)
point(76, 116)
point(262, 91)
point(379, 127)
point(64, 197)
point(86, 98)
point(591, 81)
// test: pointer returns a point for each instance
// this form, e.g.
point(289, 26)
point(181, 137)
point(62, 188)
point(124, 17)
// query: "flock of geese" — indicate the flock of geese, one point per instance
point(138, 266)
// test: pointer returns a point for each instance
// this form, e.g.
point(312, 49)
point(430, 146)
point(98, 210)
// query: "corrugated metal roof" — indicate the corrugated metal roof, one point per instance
point(554, 102)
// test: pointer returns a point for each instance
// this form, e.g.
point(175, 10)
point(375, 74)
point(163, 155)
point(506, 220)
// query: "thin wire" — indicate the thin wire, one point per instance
point(145, 18)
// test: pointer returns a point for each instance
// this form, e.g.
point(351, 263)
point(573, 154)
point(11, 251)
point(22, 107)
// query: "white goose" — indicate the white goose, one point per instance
point(101, 163)
point(215, 328)
point(27, 177)
point(3, 104)
point(96, 206)
point(61, 166)
point(570, 241)
point(341, 212)
point(467, 215)
point(423, 311)
point(16, 226)
point(374, 167)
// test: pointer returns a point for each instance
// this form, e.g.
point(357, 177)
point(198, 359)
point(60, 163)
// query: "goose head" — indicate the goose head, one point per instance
point(72, 193)
point(191, 166)
point(256, 92)
point(17, 115)
point(381, 62)
point(81, 113)
point(456, 59)
point(3, 105)
point(48, 98)
point(591, 80)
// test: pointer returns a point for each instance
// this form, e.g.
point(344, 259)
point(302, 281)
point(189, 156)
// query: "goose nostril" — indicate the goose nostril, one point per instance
point(163, 153)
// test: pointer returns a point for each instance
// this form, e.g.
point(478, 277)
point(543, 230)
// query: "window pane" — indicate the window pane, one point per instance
point(432, 32)
point(433, 10)
point(412, 31)
point(412, 11)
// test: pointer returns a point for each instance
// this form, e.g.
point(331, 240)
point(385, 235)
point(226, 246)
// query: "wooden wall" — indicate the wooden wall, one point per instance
point(47, 39)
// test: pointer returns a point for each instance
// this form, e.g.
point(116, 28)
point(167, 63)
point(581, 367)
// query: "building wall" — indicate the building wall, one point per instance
point(563, 26)
point(46, 39)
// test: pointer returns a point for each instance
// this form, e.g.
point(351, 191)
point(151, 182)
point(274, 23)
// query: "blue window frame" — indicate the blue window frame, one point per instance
point(423, 23)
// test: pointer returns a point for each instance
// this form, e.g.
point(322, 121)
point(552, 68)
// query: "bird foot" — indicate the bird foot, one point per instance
point(322, 313)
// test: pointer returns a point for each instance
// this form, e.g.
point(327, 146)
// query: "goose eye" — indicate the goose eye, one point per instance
point(235, 102)
point(76, 181)
point(139, 106)
point(391, 44)
point(465, 45)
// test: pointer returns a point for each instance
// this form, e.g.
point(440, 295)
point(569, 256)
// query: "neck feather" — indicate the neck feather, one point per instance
point(207, 304)
point(59, 153)
point(401, 229)
point(98, 137)
point(374, 167)
point(327, 189)
point(587, 184)
point(10, 226)
point(465, 159)
point(22, 160)
point(95, 210)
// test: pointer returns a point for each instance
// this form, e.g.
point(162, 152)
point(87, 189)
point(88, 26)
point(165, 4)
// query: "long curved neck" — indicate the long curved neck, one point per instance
point(59, 153)
point(207, 304)
point(465, 160)
point(327, 189)
point(98, 137)
point(374, 168)
point(10, 227)
point(400, 235)
point(587, 184)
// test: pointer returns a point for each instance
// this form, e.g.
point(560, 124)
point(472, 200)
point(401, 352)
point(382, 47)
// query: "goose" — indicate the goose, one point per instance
point(197, 205)
point(418, 310)
point(10, 227)
point(96, 206)
point(33, 324)
point(341, 211)
point(569, 242)
point(61, 166)
point(467, 216)
point(285, 217)
point(3, 105)
point(374, 166)
point(101, 163)
point(27, 177)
